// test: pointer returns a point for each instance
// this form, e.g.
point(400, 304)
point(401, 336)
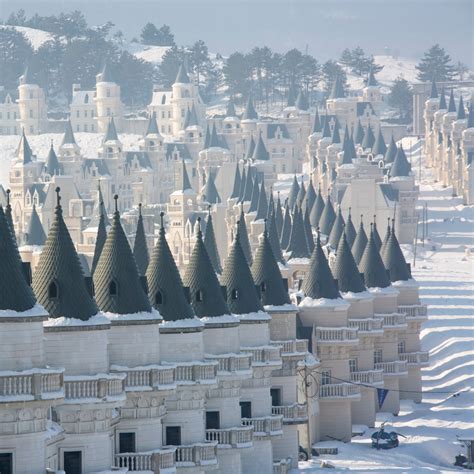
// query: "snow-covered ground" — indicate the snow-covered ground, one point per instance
point(445, 271)
point(36, 37)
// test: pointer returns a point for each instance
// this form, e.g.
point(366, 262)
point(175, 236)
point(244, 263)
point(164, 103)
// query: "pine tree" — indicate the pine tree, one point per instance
point(346, 58)
point(401, 97)
point(237, 72)
point(435, 65)
point(330, 71)
point(158, 37)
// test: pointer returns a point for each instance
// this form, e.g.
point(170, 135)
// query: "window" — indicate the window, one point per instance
point(85, 113)
point(212, 420)
point(77, 113)
point(53, 291)
point(108, 92)
point(326, 377)
point(8, 115)
point(31, 113)
point(163, 114)
point(173, 435)
point(275, 393)
point(113, 288)
point(402, 347)
point(6, 463)
point(127, 443)
point(352, 365)
point(158, 297)
point(199, 296)
point(72, 462)
point(234, 294)
point(246, 409)
point(378, 356)
point(85, 127)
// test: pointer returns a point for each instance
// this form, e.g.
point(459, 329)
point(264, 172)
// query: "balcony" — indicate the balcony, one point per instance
point(396, 368)
point(367, 326)
point(201, 372)
point(161, 460)
point(292, 414)
point(292, 347)
point(147, 379)
point(199, 454)
point(371, 377)
point(416, 312)
point(265, 425)
point(415, 359)
point(34, 384)
point(328, 336)
point(238, 437)
point(283, 466)
point(264, 355)
point(336, 391)
point(393, 320)
point(93, 388)
point(231, 363)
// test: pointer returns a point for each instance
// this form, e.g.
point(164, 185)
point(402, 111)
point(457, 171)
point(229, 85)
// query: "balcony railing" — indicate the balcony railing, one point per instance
point(266, 355)
point(294, 346)
point(336, 335)
point(367, 376)
point(83, 387)
point(396, 368)
point(297, 412)
point(367, 325)
point(339, 390)
point(265, 425)
point(196, 454)
point(32, 385)
point(392, 320)
point(158, 378)
point(154, 461)
point(202, 372)
point(421, 358)
point(282, 467)
point(417, 311)
point(231, 362)
point(238, 437)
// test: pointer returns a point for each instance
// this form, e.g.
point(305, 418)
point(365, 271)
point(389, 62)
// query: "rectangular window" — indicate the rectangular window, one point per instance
point(246, 409)
point(183, 113)
point(85, 113)
point(213, 420)
point(402, 347)
point(275, 393)
point(78, 113)
point(163, 114)
point(85, 127)
point(378, 356)
point(72, 462)
point(353, 365)
point(127, 443)
point(326, 377)
point(173, 435)
point(6, 463)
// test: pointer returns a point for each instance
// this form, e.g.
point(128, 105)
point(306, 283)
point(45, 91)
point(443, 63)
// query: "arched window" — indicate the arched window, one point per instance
point(158, 297)
point(53, 290)
point(113, 290)
point(199, 296)
point(235, 294)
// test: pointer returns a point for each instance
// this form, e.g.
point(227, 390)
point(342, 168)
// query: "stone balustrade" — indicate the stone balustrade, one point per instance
point(34, 384)
point(336, 335)
point(231, 362)
point(199, 454)
point(90, 388)
point(393, 320)
point(292, 414)
point(421, 358)
point(155, 461)
point(396, 368)
point(283, 466)
point(199, 372)
point(264, 355)
point(367, 376)
point(367, 326)
point(294, 346)
point(416, 311)
point(147, 378)
point(265, 425)
point(237, 437)
point(339, 390)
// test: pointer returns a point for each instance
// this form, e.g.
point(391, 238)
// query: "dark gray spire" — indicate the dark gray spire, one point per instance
point(9, 217)
point(105, 75)
point(308, 231)
point(470, 118)
point(337, 230)
point(452, 103)
point(101, 235)
point(52, 165)
point(249, 112)
point(262, 205)
point(250, 149)
point(302, 101)
point(99, 210)
point(35, 234)
point(116, 279)
point(68, 138)
point(187, 119)
point(328, 216)
point(207, 299)
point(301, 193)
point(58, 280)
point(310, 197)
point(111, 133)
point(317, 210)
point(385, 239)
point(337, 91)
point(249, 186)
point(242, 296)
point(378, 240)
point(165, 288)
point(461, 111)
point(371, 81)
point(243, 182)
point(347, 153)
point(140, 247)
point(211, 245)
point(434, 90)
point(391, 151)
point(360, 243)
point(279, 216)
point(273, 238)
point(267, 276)
point(298, 245)
point(369, 139)
point(336, 137)
point(185, 183)
point(442, 101)
point(209, 191)
point(371, 265)
point(293, 194)
point(28, 76)
point(182, 76)
point(394, 261)
point(15, 294)
point(260, 152)
point(317, 127)
point(271, 204)
point(207, 138)
point(237, 183)
point(359, 133)
point(244, 236)
point(326, 128)
point(214, 140)
point(286, 228)
point(152, 127)
point(255, 196)
point(24, 150)
point(400, 166)
point(319, 282)
point(379, 147)
point(345, 269)
point(349, 230)
point(230, 109)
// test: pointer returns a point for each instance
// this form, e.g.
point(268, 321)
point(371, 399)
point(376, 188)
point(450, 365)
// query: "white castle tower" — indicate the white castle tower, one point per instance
point(107, 100)
point(32, 104)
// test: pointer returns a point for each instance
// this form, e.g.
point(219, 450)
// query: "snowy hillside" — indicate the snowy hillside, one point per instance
point(149, 53)
point(36, 37)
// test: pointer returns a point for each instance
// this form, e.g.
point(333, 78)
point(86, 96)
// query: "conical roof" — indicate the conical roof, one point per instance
point(336, 137)
point(385, 239)
point(207, 138)
point(434, 90)
point(308, 231)
point(230, 109)
point(140, 247)
point(326, 128)
point(101, 236)
point(273, 238)
point(286, 228)
point(152, 127)
point(237, 183)
point(328, 216)
point(106, 74)
point(337, 91)
point(111, 133)
point(262, 205)
point(345, 269)
point(337, 230)
point(35, 234)
point(369, 139)
point(379, 147)
point(394, 260)
point(461, 111)
point(27, 75)
point(301, 193)
point(400, 166)
point(185, 183)
point(24, 150)
point(317, 210)
point(267, 276)
point(378, 240)
point(242, 296)
point(391, 151)
point(255, 195)
point(260, 152)
point(348, 152)
point(68, 138)
point(99, 210)
point(249, 186)
point(207, 299)
point(470, 118)
point(279, 216)
point(271, 204)
point(360, 243)
point(371, 265)
point(58, 280)
point(52, 165)
point(319, 281)
point(298, 245)
point(317, 127)
point(452, 103)
point(302, 101)
point(293, 194)
point(211, 245)
point(15, 294)
point(442, 101)
point(310, 197)
point(349, 230)
point(249, 112)
point(291, 96)
point(244, 236)
point(250, 149)
point(243, 182)
point(371, 81)
point(359, 133)
point(214, 139)
point(116, 279)
point(182, 76)
point(165, 288)
point(209, 191)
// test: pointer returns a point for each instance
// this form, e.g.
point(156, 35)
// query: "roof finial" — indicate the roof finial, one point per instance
point(393, 224)
point(209, 210)
point(265, 227)
point(199, 225)
point(116, 202)
point(350, 208)
point(140, 209)
point(8, 197)
point(51, 143)
point(58, 197)
point(162, 214)
point(362, 219)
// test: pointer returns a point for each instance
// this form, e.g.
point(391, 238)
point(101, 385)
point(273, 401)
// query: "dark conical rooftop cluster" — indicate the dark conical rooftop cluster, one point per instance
point(400, 166)
point(209, 191)
point(345, 269)
point(337, 230)
point(249, 112)
point(394, 260)
point(35, 234)
point(371, 265)
point(140, 247)
point(211, 245)
point(360, 243)
point(328, 216)
point(298, 244)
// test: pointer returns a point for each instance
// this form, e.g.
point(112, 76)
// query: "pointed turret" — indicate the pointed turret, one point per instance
point(242, 296)
point(24, 150)
point(209, 191)
point(237, 183)
point(101, 235)
point(293, 194)
point(140, 247)
point(207, 299)
point(337, 230)
point(359, 133)
point(260, 152)
point(152, 127)
point(452, 103)
point(337, 91)
point(442, 101)
point(230, 109)
point(185, 183)
point(214, 139)
point(116, 279)
point(400, 166)
point(328, 217)
point(58, 280)
point(345, 269)
point(336, 137)
point(211, 245)
point(279, 216)
point(360, 243)
point(52, 165)
point(111, 133)
point(394, 260)
point(262, 205)
point(249, 112)
point(301, 193)
point(308, 231)
point(391, 151)
point(244, 237)
point(255, 196)
point(35, 234)
point(68, 137)
point(106, 74)
point(385, 239)
point(267, 276)
point(310, 197)
point(378, 240)
point(302, 101)
point(317, 127)
point(317, 210)
point(371, 265)
point(326, 128)
point(461, 111)
point(379, 148)
point(347, 153)
point(349, 230)
point(273, 238)
point(15, 294)
point(182, 76)
point(249, 186)
point(286, 228)
point(319, 281)
point(371, 81)
point(243, 181)
point(250, 149)
point(99, 210)
point(207, 138)
point(27, 77)
point(369, 139)
point(434, 90)
point(165, 288)
point(298, 245)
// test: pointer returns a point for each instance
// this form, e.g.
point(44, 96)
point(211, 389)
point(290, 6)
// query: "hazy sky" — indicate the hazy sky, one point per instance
point(325, 27)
